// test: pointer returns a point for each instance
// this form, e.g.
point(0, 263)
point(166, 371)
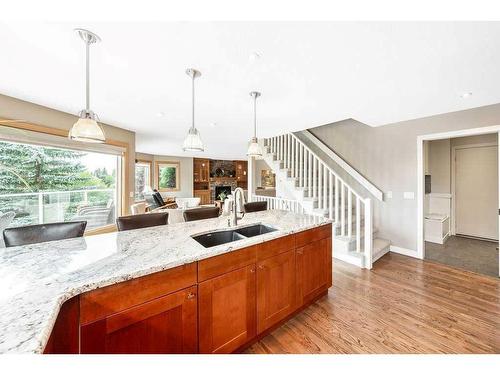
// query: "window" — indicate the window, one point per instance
point(143, 179)
point(168, 175)
point(44, 184)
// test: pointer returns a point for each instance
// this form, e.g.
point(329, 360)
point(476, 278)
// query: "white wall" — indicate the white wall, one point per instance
point(439, 158)
point(439, 165)
point(387, 156)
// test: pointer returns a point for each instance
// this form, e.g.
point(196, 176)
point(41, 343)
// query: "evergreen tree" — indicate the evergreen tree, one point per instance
point(27, 168)
point(168, 177)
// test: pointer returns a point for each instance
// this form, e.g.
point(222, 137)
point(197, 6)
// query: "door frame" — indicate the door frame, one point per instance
point(421, 172)
point(453, 177)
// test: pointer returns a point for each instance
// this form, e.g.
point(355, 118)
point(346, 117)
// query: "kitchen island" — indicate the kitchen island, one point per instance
point(157, 290)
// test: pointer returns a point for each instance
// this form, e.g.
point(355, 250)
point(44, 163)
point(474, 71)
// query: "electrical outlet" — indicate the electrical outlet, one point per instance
point(131, 194)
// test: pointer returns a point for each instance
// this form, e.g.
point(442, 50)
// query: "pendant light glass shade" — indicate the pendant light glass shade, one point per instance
point(86, 128)
point(193, 141)
point(254, 150)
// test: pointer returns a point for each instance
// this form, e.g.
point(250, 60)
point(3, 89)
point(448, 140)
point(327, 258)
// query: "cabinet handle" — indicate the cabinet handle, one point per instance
point(252, 270)
point(261, 267)
point(300, 252)
point(191, 295)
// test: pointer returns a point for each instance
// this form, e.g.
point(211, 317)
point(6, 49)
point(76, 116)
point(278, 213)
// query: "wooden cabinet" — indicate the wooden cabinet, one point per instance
point(314, 269)
point(64, 338)
point(204, 196)
point(227, 311)
point(241, 170)
point(275, 289)
point(156, 313)
point(166, 324)
point(241, 173)
point(201, 170)
point(201, 180)
point(215, 305)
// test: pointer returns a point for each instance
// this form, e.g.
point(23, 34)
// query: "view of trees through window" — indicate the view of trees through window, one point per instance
point(46, 184)
point(142, 179)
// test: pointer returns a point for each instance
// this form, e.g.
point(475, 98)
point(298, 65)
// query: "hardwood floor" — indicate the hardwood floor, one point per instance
point(404, 305)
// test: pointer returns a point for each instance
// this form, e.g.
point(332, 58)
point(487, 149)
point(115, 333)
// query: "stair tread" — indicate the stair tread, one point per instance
point(353, 237)
point(380, 244)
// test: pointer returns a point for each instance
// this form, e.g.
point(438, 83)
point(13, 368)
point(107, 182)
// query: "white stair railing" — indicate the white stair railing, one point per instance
point(275, 203)
point(330, 194)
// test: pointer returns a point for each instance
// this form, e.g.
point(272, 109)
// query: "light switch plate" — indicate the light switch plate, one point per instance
point(388, 195)
point(409, 195)
point(131, 194)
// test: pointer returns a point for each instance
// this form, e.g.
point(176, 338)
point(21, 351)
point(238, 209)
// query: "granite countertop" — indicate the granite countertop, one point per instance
point(37, 279)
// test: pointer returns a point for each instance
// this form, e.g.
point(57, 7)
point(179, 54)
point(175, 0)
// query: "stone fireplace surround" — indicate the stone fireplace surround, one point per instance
point(221, 181)
point(228, 177)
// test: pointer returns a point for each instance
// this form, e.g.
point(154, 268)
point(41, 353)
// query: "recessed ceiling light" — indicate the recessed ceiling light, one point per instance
point(160, 114)
point(213, 124)
point(254, 56)
point(465, 95)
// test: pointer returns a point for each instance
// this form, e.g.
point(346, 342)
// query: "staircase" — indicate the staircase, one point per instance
point(318, 190)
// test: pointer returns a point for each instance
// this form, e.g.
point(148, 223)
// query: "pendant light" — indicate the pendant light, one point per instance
point(86, 129)
point(193, 140)
point(254, 150)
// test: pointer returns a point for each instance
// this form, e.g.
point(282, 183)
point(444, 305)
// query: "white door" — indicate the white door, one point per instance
point(476, 191)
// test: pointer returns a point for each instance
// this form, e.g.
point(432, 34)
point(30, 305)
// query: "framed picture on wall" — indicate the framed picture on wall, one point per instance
point(168, 175)
point(267, 178)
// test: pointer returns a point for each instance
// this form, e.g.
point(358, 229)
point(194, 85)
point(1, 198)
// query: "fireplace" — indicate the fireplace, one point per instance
point(226, 189)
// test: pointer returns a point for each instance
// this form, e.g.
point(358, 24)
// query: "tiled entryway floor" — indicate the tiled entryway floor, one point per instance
point(466, 253)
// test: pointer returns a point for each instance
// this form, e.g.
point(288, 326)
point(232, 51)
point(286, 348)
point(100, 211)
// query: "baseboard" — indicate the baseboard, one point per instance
point(403, 251)
point(351, 259)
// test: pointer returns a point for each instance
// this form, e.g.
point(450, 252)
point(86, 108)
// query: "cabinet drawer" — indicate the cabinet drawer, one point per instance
point(100, 303)
point(316, 234)
point(165, 325)
point(271, 248)
point(221, 264)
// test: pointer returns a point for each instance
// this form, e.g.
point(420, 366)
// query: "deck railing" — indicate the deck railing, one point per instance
point(96, 206)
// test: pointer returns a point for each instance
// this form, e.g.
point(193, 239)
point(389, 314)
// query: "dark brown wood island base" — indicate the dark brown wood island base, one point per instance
point(216, 305)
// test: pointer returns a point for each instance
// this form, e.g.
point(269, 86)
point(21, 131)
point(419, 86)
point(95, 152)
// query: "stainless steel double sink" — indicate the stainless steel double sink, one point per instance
point(221, 237)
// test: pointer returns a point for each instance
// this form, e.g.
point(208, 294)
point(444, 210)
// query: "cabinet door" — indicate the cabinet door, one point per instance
point(227, 311)
point(206, 198)
point(166, 324)
point(275, 289)
point(64, 338)
point(314, 269)
point(203, 195)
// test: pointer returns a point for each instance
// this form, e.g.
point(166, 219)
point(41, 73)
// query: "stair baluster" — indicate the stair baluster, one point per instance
point(318, 186)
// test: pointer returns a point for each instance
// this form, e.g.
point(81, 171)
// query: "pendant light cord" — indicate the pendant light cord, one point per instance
point(87, 75)
point(192, 92)
point(255, 116)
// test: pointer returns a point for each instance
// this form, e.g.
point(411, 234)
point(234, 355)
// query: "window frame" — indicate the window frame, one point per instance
point(150, 165)
point(177, 165)
point(123, 171)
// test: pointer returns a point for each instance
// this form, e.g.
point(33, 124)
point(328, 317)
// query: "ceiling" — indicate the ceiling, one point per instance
point(310, 74)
